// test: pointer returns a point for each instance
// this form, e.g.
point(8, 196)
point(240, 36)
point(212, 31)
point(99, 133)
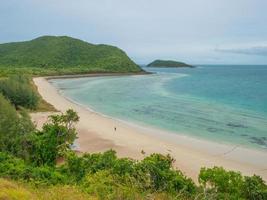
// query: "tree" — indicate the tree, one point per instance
point(54, 140)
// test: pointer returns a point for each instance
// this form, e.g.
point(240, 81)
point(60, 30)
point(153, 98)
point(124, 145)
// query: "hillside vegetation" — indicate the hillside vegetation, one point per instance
point(49, 55)
point(21, 92)
point(168, 63)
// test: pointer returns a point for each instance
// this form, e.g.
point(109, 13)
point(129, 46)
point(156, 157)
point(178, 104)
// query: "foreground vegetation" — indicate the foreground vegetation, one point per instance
point(17, 190)
point(29, 166)
point(51, 55)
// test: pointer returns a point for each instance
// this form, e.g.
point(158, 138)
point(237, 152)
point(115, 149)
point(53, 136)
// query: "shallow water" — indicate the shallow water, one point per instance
point(227, 104)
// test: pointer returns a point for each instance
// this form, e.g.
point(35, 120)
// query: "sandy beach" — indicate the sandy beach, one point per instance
point(96, 133)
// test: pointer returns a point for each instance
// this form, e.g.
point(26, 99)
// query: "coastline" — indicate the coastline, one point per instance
point(95, 75)
point(96, 133)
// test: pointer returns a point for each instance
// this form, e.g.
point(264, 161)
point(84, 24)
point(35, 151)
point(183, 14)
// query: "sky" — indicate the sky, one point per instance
point(192, 31)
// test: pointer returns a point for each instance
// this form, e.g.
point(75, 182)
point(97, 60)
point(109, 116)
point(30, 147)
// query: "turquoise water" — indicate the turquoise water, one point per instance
point(227, 104)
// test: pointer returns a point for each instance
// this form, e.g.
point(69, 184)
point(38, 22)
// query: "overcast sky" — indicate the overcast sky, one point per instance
point(194, 31)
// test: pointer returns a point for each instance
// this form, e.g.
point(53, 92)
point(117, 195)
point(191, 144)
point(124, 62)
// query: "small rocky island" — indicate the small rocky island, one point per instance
point(168, 63)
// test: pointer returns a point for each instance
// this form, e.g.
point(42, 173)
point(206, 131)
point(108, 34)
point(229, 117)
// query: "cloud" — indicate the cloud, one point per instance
point(186, 30)
point(258, 50)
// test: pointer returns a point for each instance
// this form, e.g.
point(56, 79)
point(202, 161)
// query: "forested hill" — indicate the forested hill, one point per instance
point(63, 54)
point(168, 63)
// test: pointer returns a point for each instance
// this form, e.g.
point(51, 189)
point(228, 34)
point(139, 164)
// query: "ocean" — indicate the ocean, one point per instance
point(221, 103)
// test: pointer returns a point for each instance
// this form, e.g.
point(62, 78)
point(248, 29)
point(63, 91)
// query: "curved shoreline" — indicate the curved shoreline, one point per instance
point(96, 75)
point(159, 131)
point(96, 133)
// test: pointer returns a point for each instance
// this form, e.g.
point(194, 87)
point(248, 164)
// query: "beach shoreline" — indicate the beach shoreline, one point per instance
point(68, 76)
point(96, 133)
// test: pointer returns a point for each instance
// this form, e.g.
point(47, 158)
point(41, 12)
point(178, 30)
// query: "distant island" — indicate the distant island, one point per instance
point(55, 55)
point(168, 63)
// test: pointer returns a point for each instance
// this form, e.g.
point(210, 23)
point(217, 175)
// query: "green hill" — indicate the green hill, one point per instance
point(63, 55)
point(168, 63)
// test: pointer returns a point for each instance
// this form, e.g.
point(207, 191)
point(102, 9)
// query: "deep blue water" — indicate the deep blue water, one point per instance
point(223, 103)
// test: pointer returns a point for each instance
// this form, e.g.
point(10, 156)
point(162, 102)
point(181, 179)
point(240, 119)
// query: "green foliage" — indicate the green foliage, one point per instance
point(153, 174)
point(62, 55)
point(106, 185)
point(14, 126)
point(157, 175)
point(168, 63)
point(222, 184)
point(47, 175)
point(11, 167)
point(19, 137)
point(18, 169)
point(19, 91)
point(254, 188)
point(54, 140)
point(78, 167)
point(111, 182)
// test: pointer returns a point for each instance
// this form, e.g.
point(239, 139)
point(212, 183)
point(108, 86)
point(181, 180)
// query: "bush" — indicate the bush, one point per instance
point(14, 126)
point(18, 169)
point(224, 184)
point(19, 91)
point(78, 167)
point(56, 138)
point(254, 188)
point(11, 167)
point(153, 174)
point(105, 185)
point(47, 175)
point(157, 174)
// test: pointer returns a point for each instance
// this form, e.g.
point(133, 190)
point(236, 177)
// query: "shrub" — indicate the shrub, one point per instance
point(156, 173)
point(105, 185)
point(11, 167)
point(18, 169)
point(14, 126)
point(254, 188)
point(19, 91)
point(78, 167)
point(47, 175)
point(54, 140)
point(224, 184)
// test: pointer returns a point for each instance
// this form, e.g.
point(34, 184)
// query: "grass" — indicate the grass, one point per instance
point(17, 190)
point(11, 190)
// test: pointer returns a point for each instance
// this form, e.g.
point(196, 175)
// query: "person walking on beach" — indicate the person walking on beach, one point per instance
point(115, 128)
